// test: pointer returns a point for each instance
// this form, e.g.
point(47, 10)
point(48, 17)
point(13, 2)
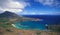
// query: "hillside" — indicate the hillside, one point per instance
point(8, 14)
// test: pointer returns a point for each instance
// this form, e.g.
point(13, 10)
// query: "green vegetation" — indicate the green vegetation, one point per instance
point(54, 28)
point(38, 33)
point(4, 20)
point(8, 30)
point(5, 23)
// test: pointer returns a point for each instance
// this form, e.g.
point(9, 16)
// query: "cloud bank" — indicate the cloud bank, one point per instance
point(12, 5)
point(51, 3)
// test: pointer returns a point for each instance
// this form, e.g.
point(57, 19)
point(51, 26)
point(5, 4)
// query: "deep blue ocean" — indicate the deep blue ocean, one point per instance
point(38, 25)
point(47, 19)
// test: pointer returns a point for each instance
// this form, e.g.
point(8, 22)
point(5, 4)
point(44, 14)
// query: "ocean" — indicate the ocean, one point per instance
point(48, 19)
point(30, 25)
point(38, 25)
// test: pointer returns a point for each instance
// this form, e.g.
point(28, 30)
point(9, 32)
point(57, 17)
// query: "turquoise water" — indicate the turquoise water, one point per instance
point(30, 25)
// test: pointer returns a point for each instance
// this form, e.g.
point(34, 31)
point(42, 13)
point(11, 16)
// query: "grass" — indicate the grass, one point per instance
point(5, 23)
point(4, 20)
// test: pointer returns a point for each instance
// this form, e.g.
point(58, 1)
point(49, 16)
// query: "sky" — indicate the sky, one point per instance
point(31, 7)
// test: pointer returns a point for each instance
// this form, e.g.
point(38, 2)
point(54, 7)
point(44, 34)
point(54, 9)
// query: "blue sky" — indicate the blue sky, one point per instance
point(33, 7)
point(37, 7)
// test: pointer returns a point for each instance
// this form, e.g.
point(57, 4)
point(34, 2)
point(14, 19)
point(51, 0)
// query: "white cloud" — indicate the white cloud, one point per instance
point(12, 5)
point(49, 2)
